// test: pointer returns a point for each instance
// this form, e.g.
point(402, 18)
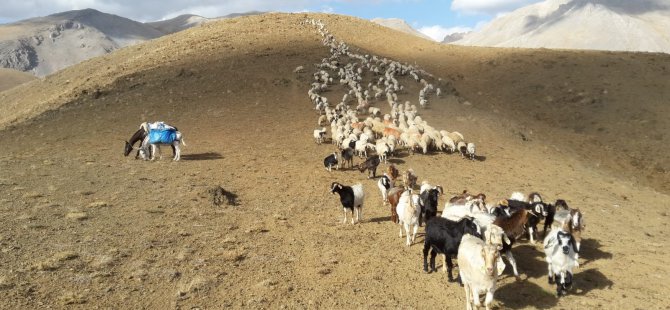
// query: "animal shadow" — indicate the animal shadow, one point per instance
point(380, 219)
point(395, 161)
point(525, 294)
point(480, 158)
point(202, 156)
point(590, 251)
point(529, 260)
point(588, 280)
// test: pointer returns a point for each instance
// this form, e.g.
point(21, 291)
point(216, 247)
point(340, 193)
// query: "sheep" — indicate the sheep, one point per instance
point(470, 151)
point(449, 145)
point(382, 150)
point(330, 161)
point(370, 165)
point(409, 179)
point(561, 251)
point(352, 198)
point(393, 197)
point(444, 236)
point(478, 270)
point(348, 156)
point(319, 134)
point(384, 185)
point(513, 227)
point(408, 215)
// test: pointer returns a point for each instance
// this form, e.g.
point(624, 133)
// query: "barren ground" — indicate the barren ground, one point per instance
point(87, 228)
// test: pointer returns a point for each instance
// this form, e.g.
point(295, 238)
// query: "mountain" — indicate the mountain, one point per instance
point(454, 37)
point(44, 45)
point(400, 25)
point(614, 25)
point(84, 227)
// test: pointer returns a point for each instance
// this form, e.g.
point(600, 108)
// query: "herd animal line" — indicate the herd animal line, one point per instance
point(477, 232)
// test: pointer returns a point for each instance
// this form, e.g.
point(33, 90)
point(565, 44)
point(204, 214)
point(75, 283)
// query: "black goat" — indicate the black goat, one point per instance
point(352, 198)
point(370, 165)
point(331, 161)
point(444, 237)
point(551, 211)
point(348, 156)
point(428, 201)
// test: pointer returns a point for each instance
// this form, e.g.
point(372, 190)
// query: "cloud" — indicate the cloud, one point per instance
point(438, 32)
point(492, 7)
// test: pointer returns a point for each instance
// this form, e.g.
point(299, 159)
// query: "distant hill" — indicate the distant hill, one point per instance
point(400, 25)
point(616, 25)
point(43, 45)
point(178, 23)
point(183, 22)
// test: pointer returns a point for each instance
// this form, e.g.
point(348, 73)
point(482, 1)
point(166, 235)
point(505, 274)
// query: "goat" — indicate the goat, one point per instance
point(348, 156)
point(393, 196)
point(478, 270)
point(561, 251)
point(408, 215)
point(393, 173)
point(444, 236)
point(409, 179)
point(370, 165)
point(560, 204)
point(330, 161)
point(513, 228)
point(428, 200)
point(572, 221)
point(352, 198)
point(319, 135)
point(384, 185)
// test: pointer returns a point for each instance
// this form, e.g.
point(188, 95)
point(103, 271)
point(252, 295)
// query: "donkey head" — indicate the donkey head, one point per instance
point(127, 149)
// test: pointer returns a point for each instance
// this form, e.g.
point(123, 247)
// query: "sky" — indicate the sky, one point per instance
point(435, 18)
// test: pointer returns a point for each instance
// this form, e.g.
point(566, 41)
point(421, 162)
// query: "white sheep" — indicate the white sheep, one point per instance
point(478, 270)
point(408, 215)
point(470, 150)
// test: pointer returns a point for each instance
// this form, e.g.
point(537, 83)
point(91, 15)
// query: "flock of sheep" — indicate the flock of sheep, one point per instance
point(478, 233)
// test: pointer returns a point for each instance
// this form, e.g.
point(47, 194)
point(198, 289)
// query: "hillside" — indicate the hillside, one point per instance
point(11, 78)
point(84, 227)
point(400, 25)
point(178, 23)
point(603, 25)
point(43, 45)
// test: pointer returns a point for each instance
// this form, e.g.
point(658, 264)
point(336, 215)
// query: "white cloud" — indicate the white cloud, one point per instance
point(488, 6)
point(438, 32)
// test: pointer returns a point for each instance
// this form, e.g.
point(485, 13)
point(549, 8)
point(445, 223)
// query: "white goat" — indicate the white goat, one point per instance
point(477, 267)
point(319, 134)
point(561, 251)
point(408, 215)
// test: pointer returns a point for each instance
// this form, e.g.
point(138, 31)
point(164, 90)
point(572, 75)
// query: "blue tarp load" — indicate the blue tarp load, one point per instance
point(162, 136)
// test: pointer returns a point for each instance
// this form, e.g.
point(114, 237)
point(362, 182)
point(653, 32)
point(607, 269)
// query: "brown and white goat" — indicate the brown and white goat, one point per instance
point(409, 179)
point(572, 221)
point(393, 196)
point(513, 226)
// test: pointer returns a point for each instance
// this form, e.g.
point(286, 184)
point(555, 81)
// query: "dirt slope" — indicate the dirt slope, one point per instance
point(11, 78)
point(86, 227)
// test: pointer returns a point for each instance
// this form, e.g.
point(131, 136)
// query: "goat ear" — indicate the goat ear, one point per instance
point(574, 244)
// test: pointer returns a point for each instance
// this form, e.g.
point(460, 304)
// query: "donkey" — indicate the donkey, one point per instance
point(139, 136)
point(148, 150)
